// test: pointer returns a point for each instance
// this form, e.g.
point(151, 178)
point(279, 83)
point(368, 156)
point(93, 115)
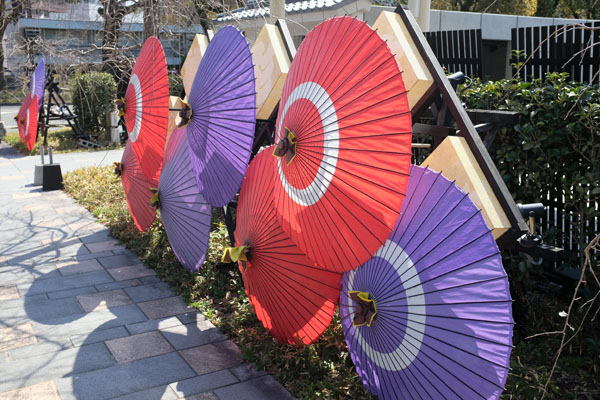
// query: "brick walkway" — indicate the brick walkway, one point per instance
point(81, 317)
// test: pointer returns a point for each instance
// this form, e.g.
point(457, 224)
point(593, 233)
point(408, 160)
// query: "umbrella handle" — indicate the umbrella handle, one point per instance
point(286, 147)
point(366, 308)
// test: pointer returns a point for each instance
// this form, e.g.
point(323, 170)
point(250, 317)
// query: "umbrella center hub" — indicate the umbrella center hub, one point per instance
point(237, 254)
point(155, 199)
point(118, 168)
point(366, 308)
point(120, 103)
point(286, 147)
point(185, 113)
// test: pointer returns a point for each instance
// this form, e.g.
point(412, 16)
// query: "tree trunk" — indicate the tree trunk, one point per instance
point(111, 60)
point(2, 80)
point(150, 17)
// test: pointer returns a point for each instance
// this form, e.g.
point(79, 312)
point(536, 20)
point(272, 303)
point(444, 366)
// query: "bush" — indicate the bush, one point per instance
point(175, 84)
point(551, 155)
point(93, 94)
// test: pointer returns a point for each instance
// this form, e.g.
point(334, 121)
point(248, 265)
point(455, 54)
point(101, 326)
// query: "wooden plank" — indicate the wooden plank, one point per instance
point(586, 37)
point(521, 46)
point(479, 55)
point(570, 50)
point(529, 46)
point(544, 49)
point(415, 74)
point(577, 47)
point(514, 46)
point(552, 47)
point(469, 52)
point(537, 56)
point(456, 51)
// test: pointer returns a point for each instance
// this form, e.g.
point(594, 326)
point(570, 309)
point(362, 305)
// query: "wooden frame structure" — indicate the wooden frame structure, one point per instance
point(446, 105)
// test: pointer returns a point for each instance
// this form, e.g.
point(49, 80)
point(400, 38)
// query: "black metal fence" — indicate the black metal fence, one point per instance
point(457, 50)
point(559, 48)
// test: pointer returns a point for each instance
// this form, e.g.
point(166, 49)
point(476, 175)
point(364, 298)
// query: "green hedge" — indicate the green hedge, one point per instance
point(553, 149)
point(93, 94)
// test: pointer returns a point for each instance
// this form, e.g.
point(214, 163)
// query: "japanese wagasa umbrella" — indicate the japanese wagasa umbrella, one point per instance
point(429, 316)
point(38, 82)
point(184, 212)
point(293, 299)
point(222, 103)
point(343, 144)
point(145, 107)
point(137, 189)
point(27, 121)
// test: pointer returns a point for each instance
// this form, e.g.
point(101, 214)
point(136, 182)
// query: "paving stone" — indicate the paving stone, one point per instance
point(67, 251)
point(202, 396)
point(100, 236)
point(246, 371)
point(20, 302)
point(166, 307)
point(125, 252)
point(140, 346)
point(69, 210)
point(163, 392)
point(83, 257)
point(108, 245)
point(68, 282)
point(124, 379)
point(25, 195)
point(61, 243)
point(192, 316)
point(261, 388)
point(88, 322)
point(130, 272)
point(17, 336)
point(55, 365)
point(40, 391)
point(103, 300)
point(99, 336)
point(120, 260)
point(149, 292)
point(85, 226)
point(37, 349)
point(152, 325)
point(8, 293)
point(40, 311)
point(146, 280)
point(203, 383)
point(24, 274)
point(72, 292)
point(119, 285)
point(191, 335)
point(78, 267)
point(212, 357)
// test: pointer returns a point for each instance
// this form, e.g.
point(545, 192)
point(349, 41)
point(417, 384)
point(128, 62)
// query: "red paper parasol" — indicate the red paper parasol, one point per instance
point(344, 145)
point(27, 121)
point(146, 107)
point(293, 299)
point(137, 189)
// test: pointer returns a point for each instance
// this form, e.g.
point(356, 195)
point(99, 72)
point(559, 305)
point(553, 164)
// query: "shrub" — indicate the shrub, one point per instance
point(551, 155)
point(93, 94)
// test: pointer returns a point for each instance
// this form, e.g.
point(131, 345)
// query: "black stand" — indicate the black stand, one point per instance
point(64, 114)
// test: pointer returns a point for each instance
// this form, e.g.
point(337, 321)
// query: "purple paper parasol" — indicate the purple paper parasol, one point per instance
point(184, 212)
point(429, 316)
point(37, 83)
point(221, 128)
